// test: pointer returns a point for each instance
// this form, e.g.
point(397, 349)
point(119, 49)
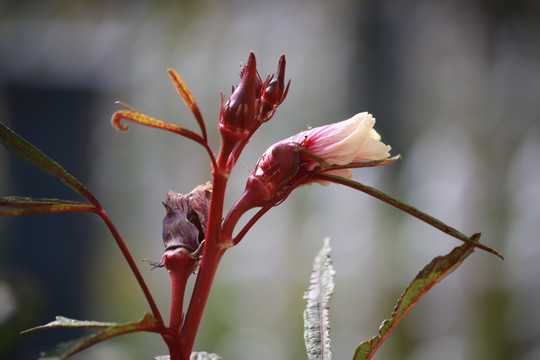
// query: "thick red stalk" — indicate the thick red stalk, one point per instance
point(214, 248)
point(199, 298)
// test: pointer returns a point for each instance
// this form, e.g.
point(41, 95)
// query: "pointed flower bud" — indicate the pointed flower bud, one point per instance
point(295, 160)
point(240, 111)
point(273, 91)
point(251, 104)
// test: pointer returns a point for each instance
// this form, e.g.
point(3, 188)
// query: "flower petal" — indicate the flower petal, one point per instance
point(346, 141)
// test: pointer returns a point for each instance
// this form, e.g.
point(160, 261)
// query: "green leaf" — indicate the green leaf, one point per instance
point(32, 206)
point(316, 321)
point(66, 349)
point(409, 210)
point(29, 201)
point(31, 154)
point(439, 268)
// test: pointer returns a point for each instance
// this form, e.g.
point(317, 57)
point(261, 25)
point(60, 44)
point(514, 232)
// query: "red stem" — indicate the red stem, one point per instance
point(172, 340)
point(250, 223)
point(237, 211)
point(199, 299)
point(214, 248)
point(180, 267)
point(127, 255)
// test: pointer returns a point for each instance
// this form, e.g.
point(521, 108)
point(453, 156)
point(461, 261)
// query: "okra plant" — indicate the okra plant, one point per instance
point(198, 231)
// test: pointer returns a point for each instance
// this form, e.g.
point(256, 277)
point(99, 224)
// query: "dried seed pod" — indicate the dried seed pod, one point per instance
point(184, 225)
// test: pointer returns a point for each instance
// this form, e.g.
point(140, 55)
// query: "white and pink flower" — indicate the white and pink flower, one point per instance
point(302, 159)
point(344, 142)
point(298, 159)
point(317, 149)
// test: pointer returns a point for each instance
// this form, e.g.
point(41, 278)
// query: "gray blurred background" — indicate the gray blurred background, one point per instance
point(455, 88)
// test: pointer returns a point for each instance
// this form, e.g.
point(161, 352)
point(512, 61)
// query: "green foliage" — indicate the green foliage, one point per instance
point(66, 349)
point(18, 205)
point(316, 322)
point(31, 154)
point(32, 206)
point(431, 274)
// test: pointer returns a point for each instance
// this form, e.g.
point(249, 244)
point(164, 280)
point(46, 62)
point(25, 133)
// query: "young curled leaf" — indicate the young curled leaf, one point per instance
point(188, 98)
point(138, 118)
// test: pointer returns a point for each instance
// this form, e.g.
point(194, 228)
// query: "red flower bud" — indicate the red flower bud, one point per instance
point(273, 172)
point(240, 111)
point(272, 175)
point(251, 104)
point(273, 91)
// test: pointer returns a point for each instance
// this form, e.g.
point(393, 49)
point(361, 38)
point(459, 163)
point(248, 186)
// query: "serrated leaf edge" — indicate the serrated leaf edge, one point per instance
point(316, 314)
point(452, 260)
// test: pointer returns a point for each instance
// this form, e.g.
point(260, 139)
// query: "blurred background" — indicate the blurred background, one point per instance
point(455, 88)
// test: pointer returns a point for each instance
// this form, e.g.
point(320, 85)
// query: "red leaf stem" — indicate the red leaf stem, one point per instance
point(409, 210)
point(129, 259)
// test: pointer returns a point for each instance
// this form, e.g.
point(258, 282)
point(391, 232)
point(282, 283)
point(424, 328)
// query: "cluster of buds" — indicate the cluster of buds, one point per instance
point(252, 103)
point(302, 159)
point(308, 157)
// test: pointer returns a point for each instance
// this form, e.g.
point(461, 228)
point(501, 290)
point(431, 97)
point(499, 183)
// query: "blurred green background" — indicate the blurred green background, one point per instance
point(455, 88)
